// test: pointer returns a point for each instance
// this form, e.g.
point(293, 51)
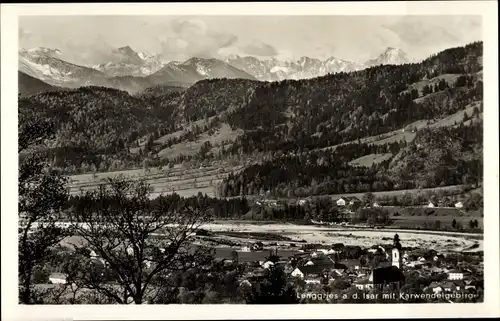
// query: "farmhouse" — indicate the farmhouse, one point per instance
point(343, 201)
point(431, 204)
point(302, 202)
point(459, 205)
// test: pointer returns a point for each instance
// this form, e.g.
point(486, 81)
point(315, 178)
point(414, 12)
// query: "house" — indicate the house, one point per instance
point(455, 275)
point(308, 263)
point(267, 264)
point(343, 201)
point(459, 205)
point(470, 284)
point(437, 270)
point(58, 278)
point(459, 285)
point(297, 273)
point(376, 204)
point(245, 282)
point(363, 284)
point(436, 288)
point(336, 273)
point(431, 204)
point(245, 249)
point(353, 200)
point(324, 251)
point(352, 264)
point(450, 287)
point(312, 274)
point(302, 202)
point(270, 202)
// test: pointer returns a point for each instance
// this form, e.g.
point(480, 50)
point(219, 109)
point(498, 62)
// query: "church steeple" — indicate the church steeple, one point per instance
point(396, 252)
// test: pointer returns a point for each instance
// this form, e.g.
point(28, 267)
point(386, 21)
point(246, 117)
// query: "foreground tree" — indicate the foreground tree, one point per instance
point(41, 196)
point(138, 242)
point(274, 289)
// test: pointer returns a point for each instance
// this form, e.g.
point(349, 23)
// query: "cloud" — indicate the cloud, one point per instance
point(89, 53)
point(425, 35)
point(259, 48)
point(192, 38)
point(24, 34)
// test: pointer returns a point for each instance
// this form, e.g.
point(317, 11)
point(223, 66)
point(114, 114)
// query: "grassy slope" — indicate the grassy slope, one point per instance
point(224, 133)
point(368, 160)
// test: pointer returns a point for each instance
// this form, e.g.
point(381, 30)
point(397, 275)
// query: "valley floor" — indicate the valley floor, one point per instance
point(364, 237)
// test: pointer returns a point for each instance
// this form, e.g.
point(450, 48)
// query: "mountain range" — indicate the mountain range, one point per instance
point(135, 71)
point(127, 62)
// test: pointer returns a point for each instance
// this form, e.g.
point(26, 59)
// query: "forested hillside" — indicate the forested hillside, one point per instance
point(436, 157)
point(28, 85)
point(329, 110)
point(290, 121)
point(95, 125)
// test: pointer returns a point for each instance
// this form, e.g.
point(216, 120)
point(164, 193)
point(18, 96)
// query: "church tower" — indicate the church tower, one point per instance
point(396, 252)
point(396, 258)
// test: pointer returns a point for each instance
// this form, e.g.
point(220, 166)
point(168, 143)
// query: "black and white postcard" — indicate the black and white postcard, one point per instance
point(226, 159)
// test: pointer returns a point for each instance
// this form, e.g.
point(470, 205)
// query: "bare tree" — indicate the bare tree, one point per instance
point(139, 241)
point(42, 193)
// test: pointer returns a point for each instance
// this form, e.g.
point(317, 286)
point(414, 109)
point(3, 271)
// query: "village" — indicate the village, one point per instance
point(386, 271)
point(414, 275)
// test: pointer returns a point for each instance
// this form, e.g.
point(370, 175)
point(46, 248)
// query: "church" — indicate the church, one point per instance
point(389, 274)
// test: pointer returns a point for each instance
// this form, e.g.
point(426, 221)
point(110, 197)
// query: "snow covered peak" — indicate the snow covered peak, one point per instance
point(127, 50)
point(126, 55)
point(391, 56)
point(41, 51)
point(125, 61)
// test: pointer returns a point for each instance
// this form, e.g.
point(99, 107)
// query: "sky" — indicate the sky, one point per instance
point(90, 39)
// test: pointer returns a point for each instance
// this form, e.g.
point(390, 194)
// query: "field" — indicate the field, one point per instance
point(224, 133)
point(368, 160)
point(416, 217)
point(185, 182)
point(440, 241)
point(449, 78)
